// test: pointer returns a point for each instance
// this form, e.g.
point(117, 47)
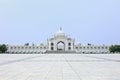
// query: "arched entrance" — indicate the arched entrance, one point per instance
point(60, 46)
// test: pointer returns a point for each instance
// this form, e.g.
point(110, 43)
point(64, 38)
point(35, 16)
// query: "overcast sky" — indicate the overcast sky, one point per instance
point(33, 21)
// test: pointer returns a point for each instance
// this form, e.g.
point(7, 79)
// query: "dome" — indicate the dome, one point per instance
point(60, 33)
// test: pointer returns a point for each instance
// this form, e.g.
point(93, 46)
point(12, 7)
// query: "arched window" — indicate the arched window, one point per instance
point(11, 47)
point(52, 44)
point(22, 47)
point(44, 47)
point(52, 48)
point(87, 47)
point(37, 47)
point(106, 47)
point(69, 44)
point(33, 47)
point(98, 47)
point(29, 47)
point(83, 47)
point(69, 48)
point(18, 47)
point(91, 47)
point(102, 47)
point(40, 47)
point(14, 47)
point(76, 47)
point(25, 47)
point(94, 47)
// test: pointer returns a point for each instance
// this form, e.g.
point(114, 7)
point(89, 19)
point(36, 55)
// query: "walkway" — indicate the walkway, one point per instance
point(59, 67)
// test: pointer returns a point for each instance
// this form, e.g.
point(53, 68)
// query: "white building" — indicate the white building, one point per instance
point(59, 43)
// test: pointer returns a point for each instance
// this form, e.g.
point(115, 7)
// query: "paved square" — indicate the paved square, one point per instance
point(59, 66)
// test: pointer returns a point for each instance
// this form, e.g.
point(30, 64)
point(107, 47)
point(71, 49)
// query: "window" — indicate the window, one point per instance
point(76, 47)
point(14, 47)
point(69, 39)
point(87, 47)
point(105, 47)
point(52, 48)
point(33, 47)
point(94, 47)
point(40, 47)
point(98, 47)
point(11, 47)
point(102, 47)
point(69, 48)
point(44, 47)
point(29, 47)
point(83, 47)
point(18, 47)
point(25, 47)
point(52, 44)
point(22, 47)
point(69, 44)
point(80, 47)
point(91, 47)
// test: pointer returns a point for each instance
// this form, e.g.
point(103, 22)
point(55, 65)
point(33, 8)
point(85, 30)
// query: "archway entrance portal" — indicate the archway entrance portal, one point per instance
point(61, 46)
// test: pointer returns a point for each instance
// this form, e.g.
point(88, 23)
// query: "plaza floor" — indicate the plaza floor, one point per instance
point(59, 66)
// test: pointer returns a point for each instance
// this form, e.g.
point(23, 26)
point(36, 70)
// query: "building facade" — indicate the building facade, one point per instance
point(59, 43)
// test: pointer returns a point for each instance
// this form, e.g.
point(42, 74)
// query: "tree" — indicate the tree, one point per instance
point(114, 48)
point(3, 48)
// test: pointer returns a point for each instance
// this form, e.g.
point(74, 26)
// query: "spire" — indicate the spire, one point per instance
point(60, 28)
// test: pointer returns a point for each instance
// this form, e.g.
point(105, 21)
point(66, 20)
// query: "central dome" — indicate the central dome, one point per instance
point(60, 33)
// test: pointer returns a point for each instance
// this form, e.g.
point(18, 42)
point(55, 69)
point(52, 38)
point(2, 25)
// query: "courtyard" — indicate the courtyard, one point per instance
point(59, 66)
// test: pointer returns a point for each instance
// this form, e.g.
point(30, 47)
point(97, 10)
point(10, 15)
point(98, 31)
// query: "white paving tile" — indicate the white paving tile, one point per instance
point(59, 66)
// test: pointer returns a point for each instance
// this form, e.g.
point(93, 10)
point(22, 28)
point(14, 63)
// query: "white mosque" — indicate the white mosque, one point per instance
point(60, 43)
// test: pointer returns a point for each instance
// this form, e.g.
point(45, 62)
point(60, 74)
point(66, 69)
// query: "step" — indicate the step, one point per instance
point(60, 52)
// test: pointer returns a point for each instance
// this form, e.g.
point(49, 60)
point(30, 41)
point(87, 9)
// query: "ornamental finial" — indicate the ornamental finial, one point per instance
point(60, 28)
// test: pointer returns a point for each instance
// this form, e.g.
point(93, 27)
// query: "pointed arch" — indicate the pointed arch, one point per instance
point(61, 46)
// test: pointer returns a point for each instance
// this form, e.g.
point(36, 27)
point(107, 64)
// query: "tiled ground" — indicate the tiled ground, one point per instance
point(59, 66)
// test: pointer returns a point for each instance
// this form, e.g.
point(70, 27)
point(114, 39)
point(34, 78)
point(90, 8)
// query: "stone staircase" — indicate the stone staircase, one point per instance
point(64, 52)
